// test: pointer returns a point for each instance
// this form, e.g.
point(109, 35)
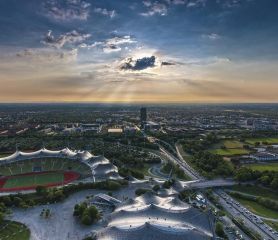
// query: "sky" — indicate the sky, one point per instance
point(133, 51)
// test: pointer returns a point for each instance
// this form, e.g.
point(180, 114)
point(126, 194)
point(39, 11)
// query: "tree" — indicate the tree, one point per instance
point(86, 219)
point(2, 215)
point(93, 212)
point(7, 201)
point(156, 187)
point(41, 190)
point(244, 174)
point(219, 230)
point(274, 183)
point(47, 213)
point(265, 180)
point(140, 191)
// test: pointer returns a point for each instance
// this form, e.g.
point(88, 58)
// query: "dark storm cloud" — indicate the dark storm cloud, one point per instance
point(138, 64)
point(164, 63)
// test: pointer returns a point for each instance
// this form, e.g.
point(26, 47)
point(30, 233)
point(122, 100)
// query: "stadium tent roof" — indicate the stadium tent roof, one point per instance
point(66, 152)
point(151, 231)
point(151, 217)
point(100, 166)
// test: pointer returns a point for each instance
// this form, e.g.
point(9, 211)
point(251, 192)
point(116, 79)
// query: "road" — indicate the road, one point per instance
point(198, 184)
point(183, 165)
point(250, 220)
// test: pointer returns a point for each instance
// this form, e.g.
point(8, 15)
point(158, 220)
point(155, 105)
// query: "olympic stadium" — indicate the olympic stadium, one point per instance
point(26, 170)
point(151, 217)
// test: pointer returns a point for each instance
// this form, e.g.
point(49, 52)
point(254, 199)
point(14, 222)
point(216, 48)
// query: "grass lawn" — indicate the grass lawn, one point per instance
point(274, 225)
point(233, 147)
point(184, 177)
point(145, 169)
point(269, 140)
point(229, 152)
point(258, 209)
point(232, 144)
point(14, 231)
point(264, 166)
point(33, 180)
point(256, 191)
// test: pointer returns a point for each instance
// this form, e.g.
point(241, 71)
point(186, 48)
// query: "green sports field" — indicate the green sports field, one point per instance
point(264, 167)
point(34, 180)
point(232, 147)
point(229, 152)
point(269, 140)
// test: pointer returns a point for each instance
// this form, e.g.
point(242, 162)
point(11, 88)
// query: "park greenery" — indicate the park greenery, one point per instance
point(252, 234)
point(126, 172)
point(264, 167)
point(87, 214)
point(260, 205)
point(211, 165)
point(169, 183)
point(193, 146)
point(219, 230)
point(255, 190)
point(266, 178)
point(141, 191)
point(175, 170)
point(53, 195)
point(32, 140)
point(14, 231)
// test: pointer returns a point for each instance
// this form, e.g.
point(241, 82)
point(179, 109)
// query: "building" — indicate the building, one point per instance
point(151, 126)
point(143, 116)
point(115, 130)
point(91, 127)
point(105, 200)
point(260, 125)
point(98, 168)
point(131, 130)
point(152, 217)
point(264, 156)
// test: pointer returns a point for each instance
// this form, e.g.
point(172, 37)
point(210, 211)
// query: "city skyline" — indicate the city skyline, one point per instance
point(131, 51)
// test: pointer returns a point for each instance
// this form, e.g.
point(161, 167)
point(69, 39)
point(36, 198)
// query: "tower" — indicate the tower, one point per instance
point(143, 116)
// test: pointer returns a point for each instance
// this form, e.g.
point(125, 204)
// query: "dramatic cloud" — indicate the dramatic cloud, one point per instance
point(120, 40)
point(164, 63)
point(111, 48)
point(89, 46)
point(114, 44)
point(110, 45)
point(105, 12)
point(67, 38)
point(154, 8)
point(138, 64)
point(161, 7)
point(66, 10)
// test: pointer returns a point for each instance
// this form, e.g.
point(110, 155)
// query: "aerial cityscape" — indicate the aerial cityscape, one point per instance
point(138, 119)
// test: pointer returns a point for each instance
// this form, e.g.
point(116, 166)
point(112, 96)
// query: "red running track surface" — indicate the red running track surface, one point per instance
point(69, 176)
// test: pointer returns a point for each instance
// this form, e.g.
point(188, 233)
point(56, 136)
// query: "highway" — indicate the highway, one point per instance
point(234, 208)
point(183, 165)
point(250, 220)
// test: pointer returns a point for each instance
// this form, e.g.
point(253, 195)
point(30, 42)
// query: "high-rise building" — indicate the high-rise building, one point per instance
point(143, 115)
